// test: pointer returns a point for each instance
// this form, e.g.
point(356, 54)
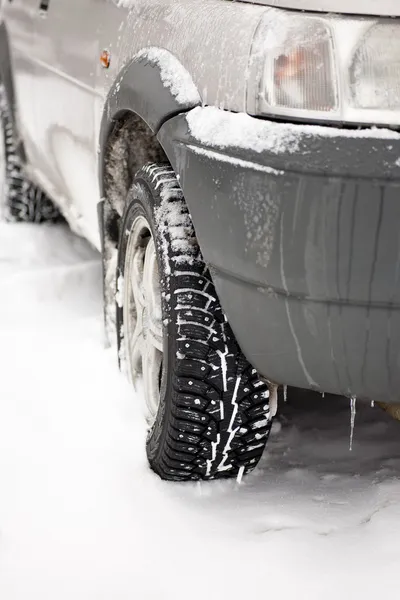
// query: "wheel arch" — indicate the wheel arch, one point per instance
point(152, 87)
point(144, 95)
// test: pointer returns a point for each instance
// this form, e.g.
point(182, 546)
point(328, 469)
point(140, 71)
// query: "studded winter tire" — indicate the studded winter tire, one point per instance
point(207, 409)
point(20, 199)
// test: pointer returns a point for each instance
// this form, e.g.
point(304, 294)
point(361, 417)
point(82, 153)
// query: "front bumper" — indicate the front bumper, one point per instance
point(301, 229)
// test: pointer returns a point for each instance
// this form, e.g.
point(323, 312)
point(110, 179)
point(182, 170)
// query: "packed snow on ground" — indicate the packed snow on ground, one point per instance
point(81, 515)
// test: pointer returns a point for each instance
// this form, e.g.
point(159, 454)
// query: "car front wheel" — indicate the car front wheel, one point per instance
point(206, 407)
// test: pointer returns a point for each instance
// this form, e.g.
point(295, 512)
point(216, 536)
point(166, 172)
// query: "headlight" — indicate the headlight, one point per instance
point(328, 68)
point(375, 70)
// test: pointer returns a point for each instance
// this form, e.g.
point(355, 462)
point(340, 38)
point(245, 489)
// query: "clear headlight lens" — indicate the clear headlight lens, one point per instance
point(375, 71)
point(329, 68)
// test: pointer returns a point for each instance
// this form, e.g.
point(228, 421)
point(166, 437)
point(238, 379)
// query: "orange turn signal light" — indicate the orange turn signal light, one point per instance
point(105, 59)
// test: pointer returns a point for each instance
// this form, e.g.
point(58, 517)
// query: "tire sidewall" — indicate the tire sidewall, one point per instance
point(213, 418)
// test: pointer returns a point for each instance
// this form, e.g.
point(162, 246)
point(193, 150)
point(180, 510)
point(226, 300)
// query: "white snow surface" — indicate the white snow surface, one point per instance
point(222, 129)
point(82, 516)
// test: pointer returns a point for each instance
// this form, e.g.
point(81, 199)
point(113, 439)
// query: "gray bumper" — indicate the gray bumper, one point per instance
point(303, 239)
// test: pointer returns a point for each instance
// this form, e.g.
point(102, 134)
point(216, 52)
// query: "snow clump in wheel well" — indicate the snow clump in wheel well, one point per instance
point(130, 147)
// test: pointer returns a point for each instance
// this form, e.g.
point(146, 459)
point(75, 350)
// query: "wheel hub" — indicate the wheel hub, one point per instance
point(143, 328)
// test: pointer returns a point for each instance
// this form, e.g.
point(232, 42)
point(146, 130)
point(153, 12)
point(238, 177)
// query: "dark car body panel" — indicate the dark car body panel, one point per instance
point(306, 259)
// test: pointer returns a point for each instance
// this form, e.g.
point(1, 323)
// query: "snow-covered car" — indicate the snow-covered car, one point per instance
point(238, 166)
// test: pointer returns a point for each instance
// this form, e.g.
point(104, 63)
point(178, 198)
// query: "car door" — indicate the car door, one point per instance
point(19, 17)
point(66, 50)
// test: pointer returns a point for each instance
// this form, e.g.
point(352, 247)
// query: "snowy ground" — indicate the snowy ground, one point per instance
point(81, 515)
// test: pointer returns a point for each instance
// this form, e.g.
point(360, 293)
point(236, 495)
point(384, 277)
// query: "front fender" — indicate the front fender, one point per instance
point(155, 86)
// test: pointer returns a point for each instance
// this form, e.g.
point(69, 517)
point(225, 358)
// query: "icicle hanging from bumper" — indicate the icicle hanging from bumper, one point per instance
point(353, 400)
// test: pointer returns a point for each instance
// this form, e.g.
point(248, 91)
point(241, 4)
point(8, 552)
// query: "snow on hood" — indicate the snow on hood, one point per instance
point(384, 8)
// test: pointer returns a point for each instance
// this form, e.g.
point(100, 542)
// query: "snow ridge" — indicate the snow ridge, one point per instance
point(222, 129)
point(173, 75)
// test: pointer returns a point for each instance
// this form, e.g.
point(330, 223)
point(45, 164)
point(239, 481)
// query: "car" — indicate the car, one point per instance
point(238, 166)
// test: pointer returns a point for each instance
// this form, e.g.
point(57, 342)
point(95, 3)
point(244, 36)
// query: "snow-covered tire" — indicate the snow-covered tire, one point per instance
point(20, 199)
point(213, 418)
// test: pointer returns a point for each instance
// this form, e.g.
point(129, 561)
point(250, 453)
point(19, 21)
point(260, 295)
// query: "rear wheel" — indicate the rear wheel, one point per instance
point(207, 409)
point(20, 199)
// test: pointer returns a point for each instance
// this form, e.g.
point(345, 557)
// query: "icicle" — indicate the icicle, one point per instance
point(372, 403)
point(285, 393)
point(273, 398)
point(353, 400)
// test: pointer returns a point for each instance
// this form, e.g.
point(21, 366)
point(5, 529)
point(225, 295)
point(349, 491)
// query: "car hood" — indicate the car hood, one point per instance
point(384, 8)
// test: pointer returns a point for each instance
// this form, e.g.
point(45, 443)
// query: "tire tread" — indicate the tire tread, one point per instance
point(212, 413)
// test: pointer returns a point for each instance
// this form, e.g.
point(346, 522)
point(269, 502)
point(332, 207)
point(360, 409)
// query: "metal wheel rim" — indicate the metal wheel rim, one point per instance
point(143, 328)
